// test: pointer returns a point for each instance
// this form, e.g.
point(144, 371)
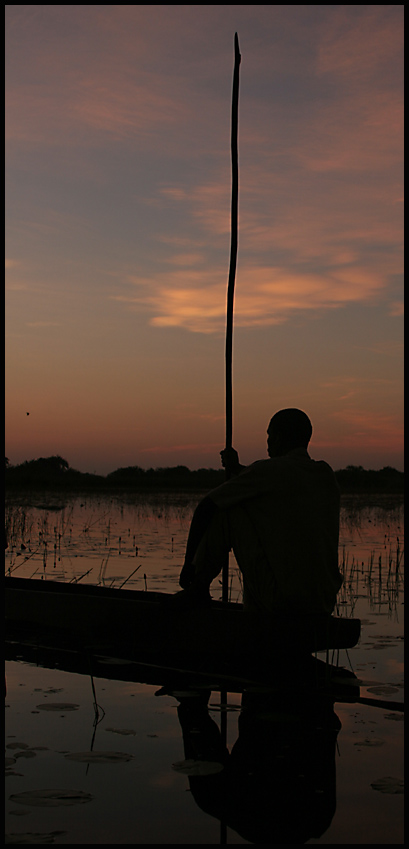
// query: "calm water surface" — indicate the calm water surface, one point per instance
point(103, 761)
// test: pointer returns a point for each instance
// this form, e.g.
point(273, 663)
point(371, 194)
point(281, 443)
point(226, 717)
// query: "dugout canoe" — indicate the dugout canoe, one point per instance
point(146, 625)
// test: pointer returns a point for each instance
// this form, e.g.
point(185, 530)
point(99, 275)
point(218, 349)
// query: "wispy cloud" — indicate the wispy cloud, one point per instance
point(69, 111)
point(196, 299)
point(361, 426)
point(397, 308)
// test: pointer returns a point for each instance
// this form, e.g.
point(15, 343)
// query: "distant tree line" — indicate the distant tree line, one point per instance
point(56, 473)
point(357, 479)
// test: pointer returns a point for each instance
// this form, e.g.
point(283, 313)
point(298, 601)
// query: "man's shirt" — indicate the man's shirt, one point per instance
point(284, 523)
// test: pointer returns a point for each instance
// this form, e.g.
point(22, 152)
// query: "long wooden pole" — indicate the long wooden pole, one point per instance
point(229, 343)
point(232, 269)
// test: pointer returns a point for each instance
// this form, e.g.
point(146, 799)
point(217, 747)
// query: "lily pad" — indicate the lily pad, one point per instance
point(99, 757)
point(26, 753)
point(23, 812)
point(196, 767)
point(383, 690)
point(51, 798)
point(388, 785)
point(32, 837)
point(369, 741)
point(124, 731)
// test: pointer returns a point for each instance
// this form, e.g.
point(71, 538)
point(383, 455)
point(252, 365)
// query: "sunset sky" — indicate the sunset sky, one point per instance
point(118, 186)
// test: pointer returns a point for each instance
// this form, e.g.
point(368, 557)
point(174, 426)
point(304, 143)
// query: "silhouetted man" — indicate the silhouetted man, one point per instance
point(281, 518)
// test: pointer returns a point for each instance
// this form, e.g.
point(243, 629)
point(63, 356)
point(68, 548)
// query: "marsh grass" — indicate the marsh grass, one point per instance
point(81, 540)
point(379, 578)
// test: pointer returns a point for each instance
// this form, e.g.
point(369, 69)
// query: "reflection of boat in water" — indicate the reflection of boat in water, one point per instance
point(277, 785)
point(218, 639)
point(278, 782)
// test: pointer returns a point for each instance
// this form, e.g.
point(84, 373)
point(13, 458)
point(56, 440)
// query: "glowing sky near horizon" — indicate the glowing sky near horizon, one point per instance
point(118, 231)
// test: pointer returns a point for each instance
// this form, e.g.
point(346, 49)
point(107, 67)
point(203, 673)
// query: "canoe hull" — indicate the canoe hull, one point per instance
point(88, 609)
point(217, 642)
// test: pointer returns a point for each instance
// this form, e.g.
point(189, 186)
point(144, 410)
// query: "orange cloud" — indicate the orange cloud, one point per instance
point(303, 245)
point(196, 299)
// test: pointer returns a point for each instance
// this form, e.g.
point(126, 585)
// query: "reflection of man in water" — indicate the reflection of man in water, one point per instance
point(281, 518)
point(278, 783)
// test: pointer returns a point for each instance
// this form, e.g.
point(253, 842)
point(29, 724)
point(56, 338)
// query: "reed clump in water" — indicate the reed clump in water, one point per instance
point(380, 579)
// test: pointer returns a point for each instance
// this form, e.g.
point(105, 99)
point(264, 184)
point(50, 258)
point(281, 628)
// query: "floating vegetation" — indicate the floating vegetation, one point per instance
point(195, 767)
point(383, 690)
point(29, 837)
point(388, 785)
point(125, 731)
point(99, 757)
point(26, 753)
point(51, 798)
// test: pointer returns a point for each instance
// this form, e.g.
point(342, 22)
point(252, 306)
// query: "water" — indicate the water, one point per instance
point(103, 761)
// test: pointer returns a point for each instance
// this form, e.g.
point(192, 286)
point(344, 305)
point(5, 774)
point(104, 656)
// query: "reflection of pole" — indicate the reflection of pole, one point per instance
point(223, 734)
point(232, 269)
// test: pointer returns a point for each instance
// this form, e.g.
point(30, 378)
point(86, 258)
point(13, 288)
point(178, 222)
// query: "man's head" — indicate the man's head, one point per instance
point(288, 429)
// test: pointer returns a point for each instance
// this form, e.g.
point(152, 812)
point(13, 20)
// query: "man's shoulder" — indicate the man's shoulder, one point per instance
point(324, 468)
point(295, 468)
point(274, 476)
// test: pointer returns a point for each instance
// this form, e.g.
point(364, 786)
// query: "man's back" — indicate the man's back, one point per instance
point(284, 518)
